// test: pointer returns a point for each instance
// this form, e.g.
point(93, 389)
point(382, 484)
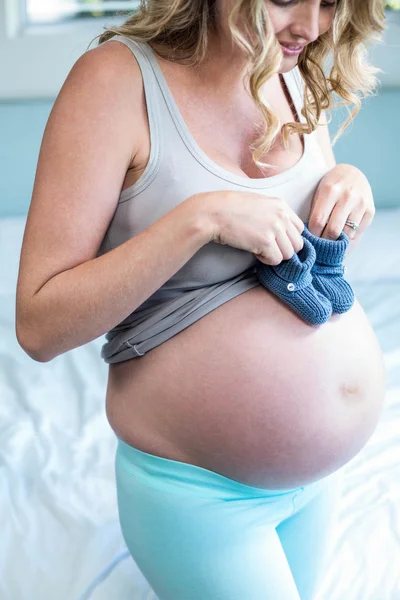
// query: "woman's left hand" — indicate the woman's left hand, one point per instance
point(342, 194)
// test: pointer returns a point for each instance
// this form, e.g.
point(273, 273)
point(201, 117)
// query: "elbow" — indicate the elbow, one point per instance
point(34, 349)
point(29, 336)
point(39, 356)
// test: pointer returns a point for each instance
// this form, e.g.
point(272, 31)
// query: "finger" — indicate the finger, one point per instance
point(344, 213)
point(295, 237)
point(364, 224)
point(337, 221)
point(284, 245)
point(297, 222)
point(271, 254)
point(322, 206)
point(354, 236)
point(361, 218)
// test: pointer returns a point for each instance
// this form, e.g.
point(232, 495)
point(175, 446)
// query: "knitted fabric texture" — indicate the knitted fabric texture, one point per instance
point(328, 270)
point(292, 282)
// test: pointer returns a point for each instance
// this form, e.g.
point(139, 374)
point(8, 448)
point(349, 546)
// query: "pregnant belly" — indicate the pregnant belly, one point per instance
point(253, 392)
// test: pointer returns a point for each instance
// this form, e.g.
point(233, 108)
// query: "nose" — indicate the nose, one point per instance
point(305, 24)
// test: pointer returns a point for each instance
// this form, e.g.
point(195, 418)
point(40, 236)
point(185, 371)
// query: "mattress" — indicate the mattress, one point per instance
point(60, 535)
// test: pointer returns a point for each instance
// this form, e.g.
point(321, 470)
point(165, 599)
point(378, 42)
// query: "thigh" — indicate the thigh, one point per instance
point(307, 535)
point(194, 547)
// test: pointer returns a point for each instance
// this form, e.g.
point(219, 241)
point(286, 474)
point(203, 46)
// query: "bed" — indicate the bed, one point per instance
point(60, 536)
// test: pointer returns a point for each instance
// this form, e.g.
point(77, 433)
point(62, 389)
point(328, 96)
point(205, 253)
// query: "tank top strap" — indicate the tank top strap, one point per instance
point(296, 87)
point(172, 144)
point(295, 84)
point(158, 94)
point(153, 96)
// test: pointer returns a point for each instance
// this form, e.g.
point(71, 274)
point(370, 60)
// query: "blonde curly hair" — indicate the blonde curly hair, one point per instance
point(178, 30)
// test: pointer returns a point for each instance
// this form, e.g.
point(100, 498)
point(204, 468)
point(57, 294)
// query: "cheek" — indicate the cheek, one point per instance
point(325, 22)
point(278, 19)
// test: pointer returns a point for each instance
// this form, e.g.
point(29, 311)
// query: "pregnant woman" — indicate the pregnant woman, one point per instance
point(187, 148)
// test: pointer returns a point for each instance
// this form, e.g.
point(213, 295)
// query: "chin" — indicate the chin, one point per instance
point(288, 63)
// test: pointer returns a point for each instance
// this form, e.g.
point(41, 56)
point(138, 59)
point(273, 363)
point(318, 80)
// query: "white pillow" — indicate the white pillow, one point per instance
point(377, 254)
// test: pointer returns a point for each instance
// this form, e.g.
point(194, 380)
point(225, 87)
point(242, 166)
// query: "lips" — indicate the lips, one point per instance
point(295, 47)
point(291, 49)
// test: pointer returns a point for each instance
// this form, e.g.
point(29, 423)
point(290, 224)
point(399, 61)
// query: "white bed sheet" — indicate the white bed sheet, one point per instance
point(60, 536)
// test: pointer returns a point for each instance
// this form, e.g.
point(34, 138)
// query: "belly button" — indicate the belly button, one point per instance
point(350, 390)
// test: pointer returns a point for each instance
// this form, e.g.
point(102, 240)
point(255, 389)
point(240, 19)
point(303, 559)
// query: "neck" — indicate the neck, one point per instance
point(224, 64)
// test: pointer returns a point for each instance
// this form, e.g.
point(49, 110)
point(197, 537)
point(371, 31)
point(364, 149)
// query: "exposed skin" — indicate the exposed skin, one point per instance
point(300, 22)
point(344, 193)
point(180, 402)
point(249, 390)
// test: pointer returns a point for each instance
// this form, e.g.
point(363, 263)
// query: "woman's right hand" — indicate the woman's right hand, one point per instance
point(263, 225)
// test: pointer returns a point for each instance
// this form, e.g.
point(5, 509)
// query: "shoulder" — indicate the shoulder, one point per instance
point(111, 71)
point(114, 63)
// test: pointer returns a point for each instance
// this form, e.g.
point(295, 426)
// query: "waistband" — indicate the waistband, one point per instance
point(164, 471)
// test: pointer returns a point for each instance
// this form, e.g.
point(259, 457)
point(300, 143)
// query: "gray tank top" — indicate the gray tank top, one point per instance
point(177, 169)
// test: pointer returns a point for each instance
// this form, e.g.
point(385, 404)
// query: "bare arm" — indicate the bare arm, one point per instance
point(66, 296)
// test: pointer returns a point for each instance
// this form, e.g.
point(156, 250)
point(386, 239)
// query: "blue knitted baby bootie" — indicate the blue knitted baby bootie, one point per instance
point(292, 281)
point(328, 270)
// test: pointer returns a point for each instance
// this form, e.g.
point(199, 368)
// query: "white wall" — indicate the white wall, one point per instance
point(386, 55)
point(34, 62)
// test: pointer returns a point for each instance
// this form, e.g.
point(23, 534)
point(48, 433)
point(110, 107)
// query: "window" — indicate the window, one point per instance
point(56, 11)
point(41, 39)
point(50, 11)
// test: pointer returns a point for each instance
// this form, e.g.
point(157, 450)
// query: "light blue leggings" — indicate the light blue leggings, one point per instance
point(198, 535)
